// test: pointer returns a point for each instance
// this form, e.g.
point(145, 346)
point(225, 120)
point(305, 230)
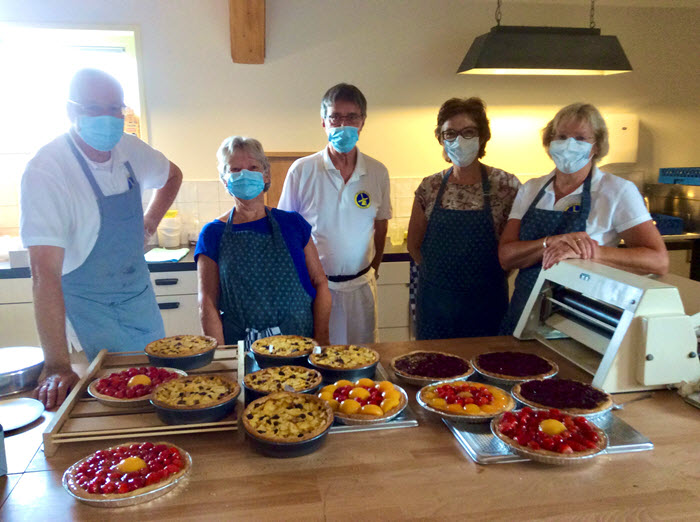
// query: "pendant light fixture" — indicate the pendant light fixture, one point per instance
point(511, 49)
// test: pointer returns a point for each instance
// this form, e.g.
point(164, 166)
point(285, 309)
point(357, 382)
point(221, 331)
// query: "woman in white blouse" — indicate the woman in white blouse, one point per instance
point(576, 211)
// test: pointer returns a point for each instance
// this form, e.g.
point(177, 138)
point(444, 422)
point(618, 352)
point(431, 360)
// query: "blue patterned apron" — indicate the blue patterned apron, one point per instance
point(537, 224)
point(109, 299)
point(260, 286)
point(462, 290)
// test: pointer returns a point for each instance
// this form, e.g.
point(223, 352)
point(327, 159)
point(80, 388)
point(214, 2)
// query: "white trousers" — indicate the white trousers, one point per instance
point(354, 314)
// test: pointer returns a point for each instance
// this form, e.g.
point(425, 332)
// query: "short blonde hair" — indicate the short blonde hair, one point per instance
point(233, 143)
point(580, 112)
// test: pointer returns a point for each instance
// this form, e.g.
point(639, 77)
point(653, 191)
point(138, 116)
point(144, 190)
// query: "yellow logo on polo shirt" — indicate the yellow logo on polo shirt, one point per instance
point(362, 199)
point(576, 207)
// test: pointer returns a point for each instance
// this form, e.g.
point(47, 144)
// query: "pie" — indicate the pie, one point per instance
point(195, 392)
point(283, 378)
point(125, 471)
point(514, 366)
point(345, 357)
point(130, 384)
point(287, 417)
point(470, 399)
point(364, 399)
point(572, 397)
point(422, 367)
point(549, 435)
point(284, 346)
point(181, 346)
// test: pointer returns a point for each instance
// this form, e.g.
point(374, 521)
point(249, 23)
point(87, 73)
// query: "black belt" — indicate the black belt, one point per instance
point(343, 278)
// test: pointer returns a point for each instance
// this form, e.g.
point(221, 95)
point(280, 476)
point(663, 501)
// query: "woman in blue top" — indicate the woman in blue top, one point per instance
point(257, 266)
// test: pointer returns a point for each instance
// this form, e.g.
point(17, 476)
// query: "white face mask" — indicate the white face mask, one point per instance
point(462, 151)
point(570, 155)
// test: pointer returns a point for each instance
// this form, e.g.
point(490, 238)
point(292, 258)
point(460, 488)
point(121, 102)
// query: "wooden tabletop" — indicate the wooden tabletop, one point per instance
point(408, 473)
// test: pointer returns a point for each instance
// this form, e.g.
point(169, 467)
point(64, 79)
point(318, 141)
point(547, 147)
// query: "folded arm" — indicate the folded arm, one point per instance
point(161, 201)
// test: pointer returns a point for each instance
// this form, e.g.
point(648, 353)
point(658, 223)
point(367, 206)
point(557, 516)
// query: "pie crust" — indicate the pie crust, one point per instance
point(521, 358)
point(548, 456)
point(280, 378)
point(419, 355)
point(181, 346)
point(345, 357)
point(195, 392)
point(299, 417)
point(284, 346)
point(555, 385)
point(69, 479)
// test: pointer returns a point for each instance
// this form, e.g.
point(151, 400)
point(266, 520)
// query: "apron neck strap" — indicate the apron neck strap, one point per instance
point(83, 164)
point(485, 187)
point(585, 195)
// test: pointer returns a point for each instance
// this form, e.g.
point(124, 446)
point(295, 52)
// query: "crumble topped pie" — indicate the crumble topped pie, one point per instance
point(287, 417)
point(284, 346)
point(572, 397)
point(181, 346)
point(195, 391)
point(514, 366)
point(345, 357)
point(282, 378)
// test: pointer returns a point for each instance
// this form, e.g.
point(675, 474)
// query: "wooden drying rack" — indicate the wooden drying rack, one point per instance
point(83, 418)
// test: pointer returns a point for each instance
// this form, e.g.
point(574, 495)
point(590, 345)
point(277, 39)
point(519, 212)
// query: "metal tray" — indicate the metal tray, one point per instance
point(484, 448)
point(406, 419)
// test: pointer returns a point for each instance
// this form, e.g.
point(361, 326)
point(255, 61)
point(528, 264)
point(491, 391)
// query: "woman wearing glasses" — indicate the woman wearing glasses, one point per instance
point(576, 211)
point(458, 215)
point(258, 268)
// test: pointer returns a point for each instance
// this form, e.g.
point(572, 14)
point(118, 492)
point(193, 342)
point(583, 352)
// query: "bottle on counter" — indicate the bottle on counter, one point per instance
point(169, 230)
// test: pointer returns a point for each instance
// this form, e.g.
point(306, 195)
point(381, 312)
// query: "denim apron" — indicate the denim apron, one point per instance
point(260, 286)
point(536, 224)
point(109, 299)
point(462, 290)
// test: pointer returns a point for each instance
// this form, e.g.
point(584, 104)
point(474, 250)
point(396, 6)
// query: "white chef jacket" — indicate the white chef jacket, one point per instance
point(616, 204)
point(341, 214)
point(57, 203)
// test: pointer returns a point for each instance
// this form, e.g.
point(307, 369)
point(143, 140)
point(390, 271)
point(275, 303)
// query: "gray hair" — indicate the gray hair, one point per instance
point(85, 77)
point(233, 143)
point(580, 112)
point(344, 92)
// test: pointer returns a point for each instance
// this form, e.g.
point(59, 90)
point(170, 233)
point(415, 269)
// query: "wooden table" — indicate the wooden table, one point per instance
point(409, 473)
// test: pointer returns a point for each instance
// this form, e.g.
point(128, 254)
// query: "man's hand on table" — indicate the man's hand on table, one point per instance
point(54, 387)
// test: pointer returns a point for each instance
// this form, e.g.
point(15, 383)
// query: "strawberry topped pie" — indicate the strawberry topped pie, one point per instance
point(133, 383)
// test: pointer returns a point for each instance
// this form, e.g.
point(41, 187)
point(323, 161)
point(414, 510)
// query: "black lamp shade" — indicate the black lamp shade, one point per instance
point(544, 50)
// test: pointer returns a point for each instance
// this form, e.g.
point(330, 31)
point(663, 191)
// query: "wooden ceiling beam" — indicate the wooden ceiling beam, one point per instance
point(247, 24)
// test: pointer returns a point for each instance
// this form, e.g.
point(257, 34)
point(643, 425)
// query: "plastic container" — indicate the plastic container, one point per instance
point(169, 230)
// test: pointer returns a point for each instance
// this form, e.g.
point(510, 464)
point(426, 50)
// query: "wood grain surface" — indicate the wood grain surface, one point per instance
point(402, 474)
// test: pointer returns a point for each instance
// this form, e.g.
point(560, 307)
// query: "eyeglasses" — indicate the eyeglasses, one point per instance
point(349, 119)
point(101, 110)
point(564, 137)
point(467, 133)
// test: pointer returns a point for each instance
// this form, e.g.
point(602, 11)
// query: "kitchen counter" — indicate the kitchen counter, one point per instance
point(402, 474)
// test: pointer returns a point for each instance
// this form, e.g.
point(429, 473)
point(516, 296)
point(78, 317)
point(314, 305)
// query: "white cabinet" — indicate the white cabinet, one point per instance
point(393, 301)
point(17, 325)
point(176, 293)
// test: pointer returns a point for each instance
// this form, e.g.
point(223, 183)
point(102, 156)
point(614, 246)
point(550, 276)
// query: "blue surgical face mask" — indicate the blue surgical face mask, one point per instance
point(246, 184)
point(462, 151)
point(343, 139)
point(570, 155)
point(101, 132)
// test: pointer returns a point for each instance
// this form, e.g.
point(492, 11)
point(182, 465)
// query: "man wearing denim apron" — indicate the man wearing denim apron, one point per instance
point(83, 222)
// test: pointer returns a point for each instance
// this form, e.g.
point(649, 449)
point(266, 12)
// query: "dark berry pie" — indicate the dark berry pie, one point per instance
point(514, 366)
point(421, 367)
point(572, 397)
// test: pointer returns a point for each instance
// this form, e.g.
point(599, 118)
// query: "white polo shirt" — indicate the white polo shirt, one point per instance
point(341, 214)
point(57, 204)
point(616, 204)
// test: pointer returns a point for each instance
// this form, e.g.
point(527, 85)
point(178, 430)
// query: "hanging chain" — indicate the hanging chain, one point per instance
point(592, 14)
point(498, 13)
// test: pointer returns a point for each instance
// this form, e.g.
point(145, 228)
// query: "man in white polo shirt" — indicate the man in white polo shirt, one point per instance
point(82, 220)
point(344, 195)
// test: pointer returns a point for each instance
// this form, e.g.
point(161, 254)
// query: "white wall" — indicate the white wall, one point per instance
point(403, 54)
